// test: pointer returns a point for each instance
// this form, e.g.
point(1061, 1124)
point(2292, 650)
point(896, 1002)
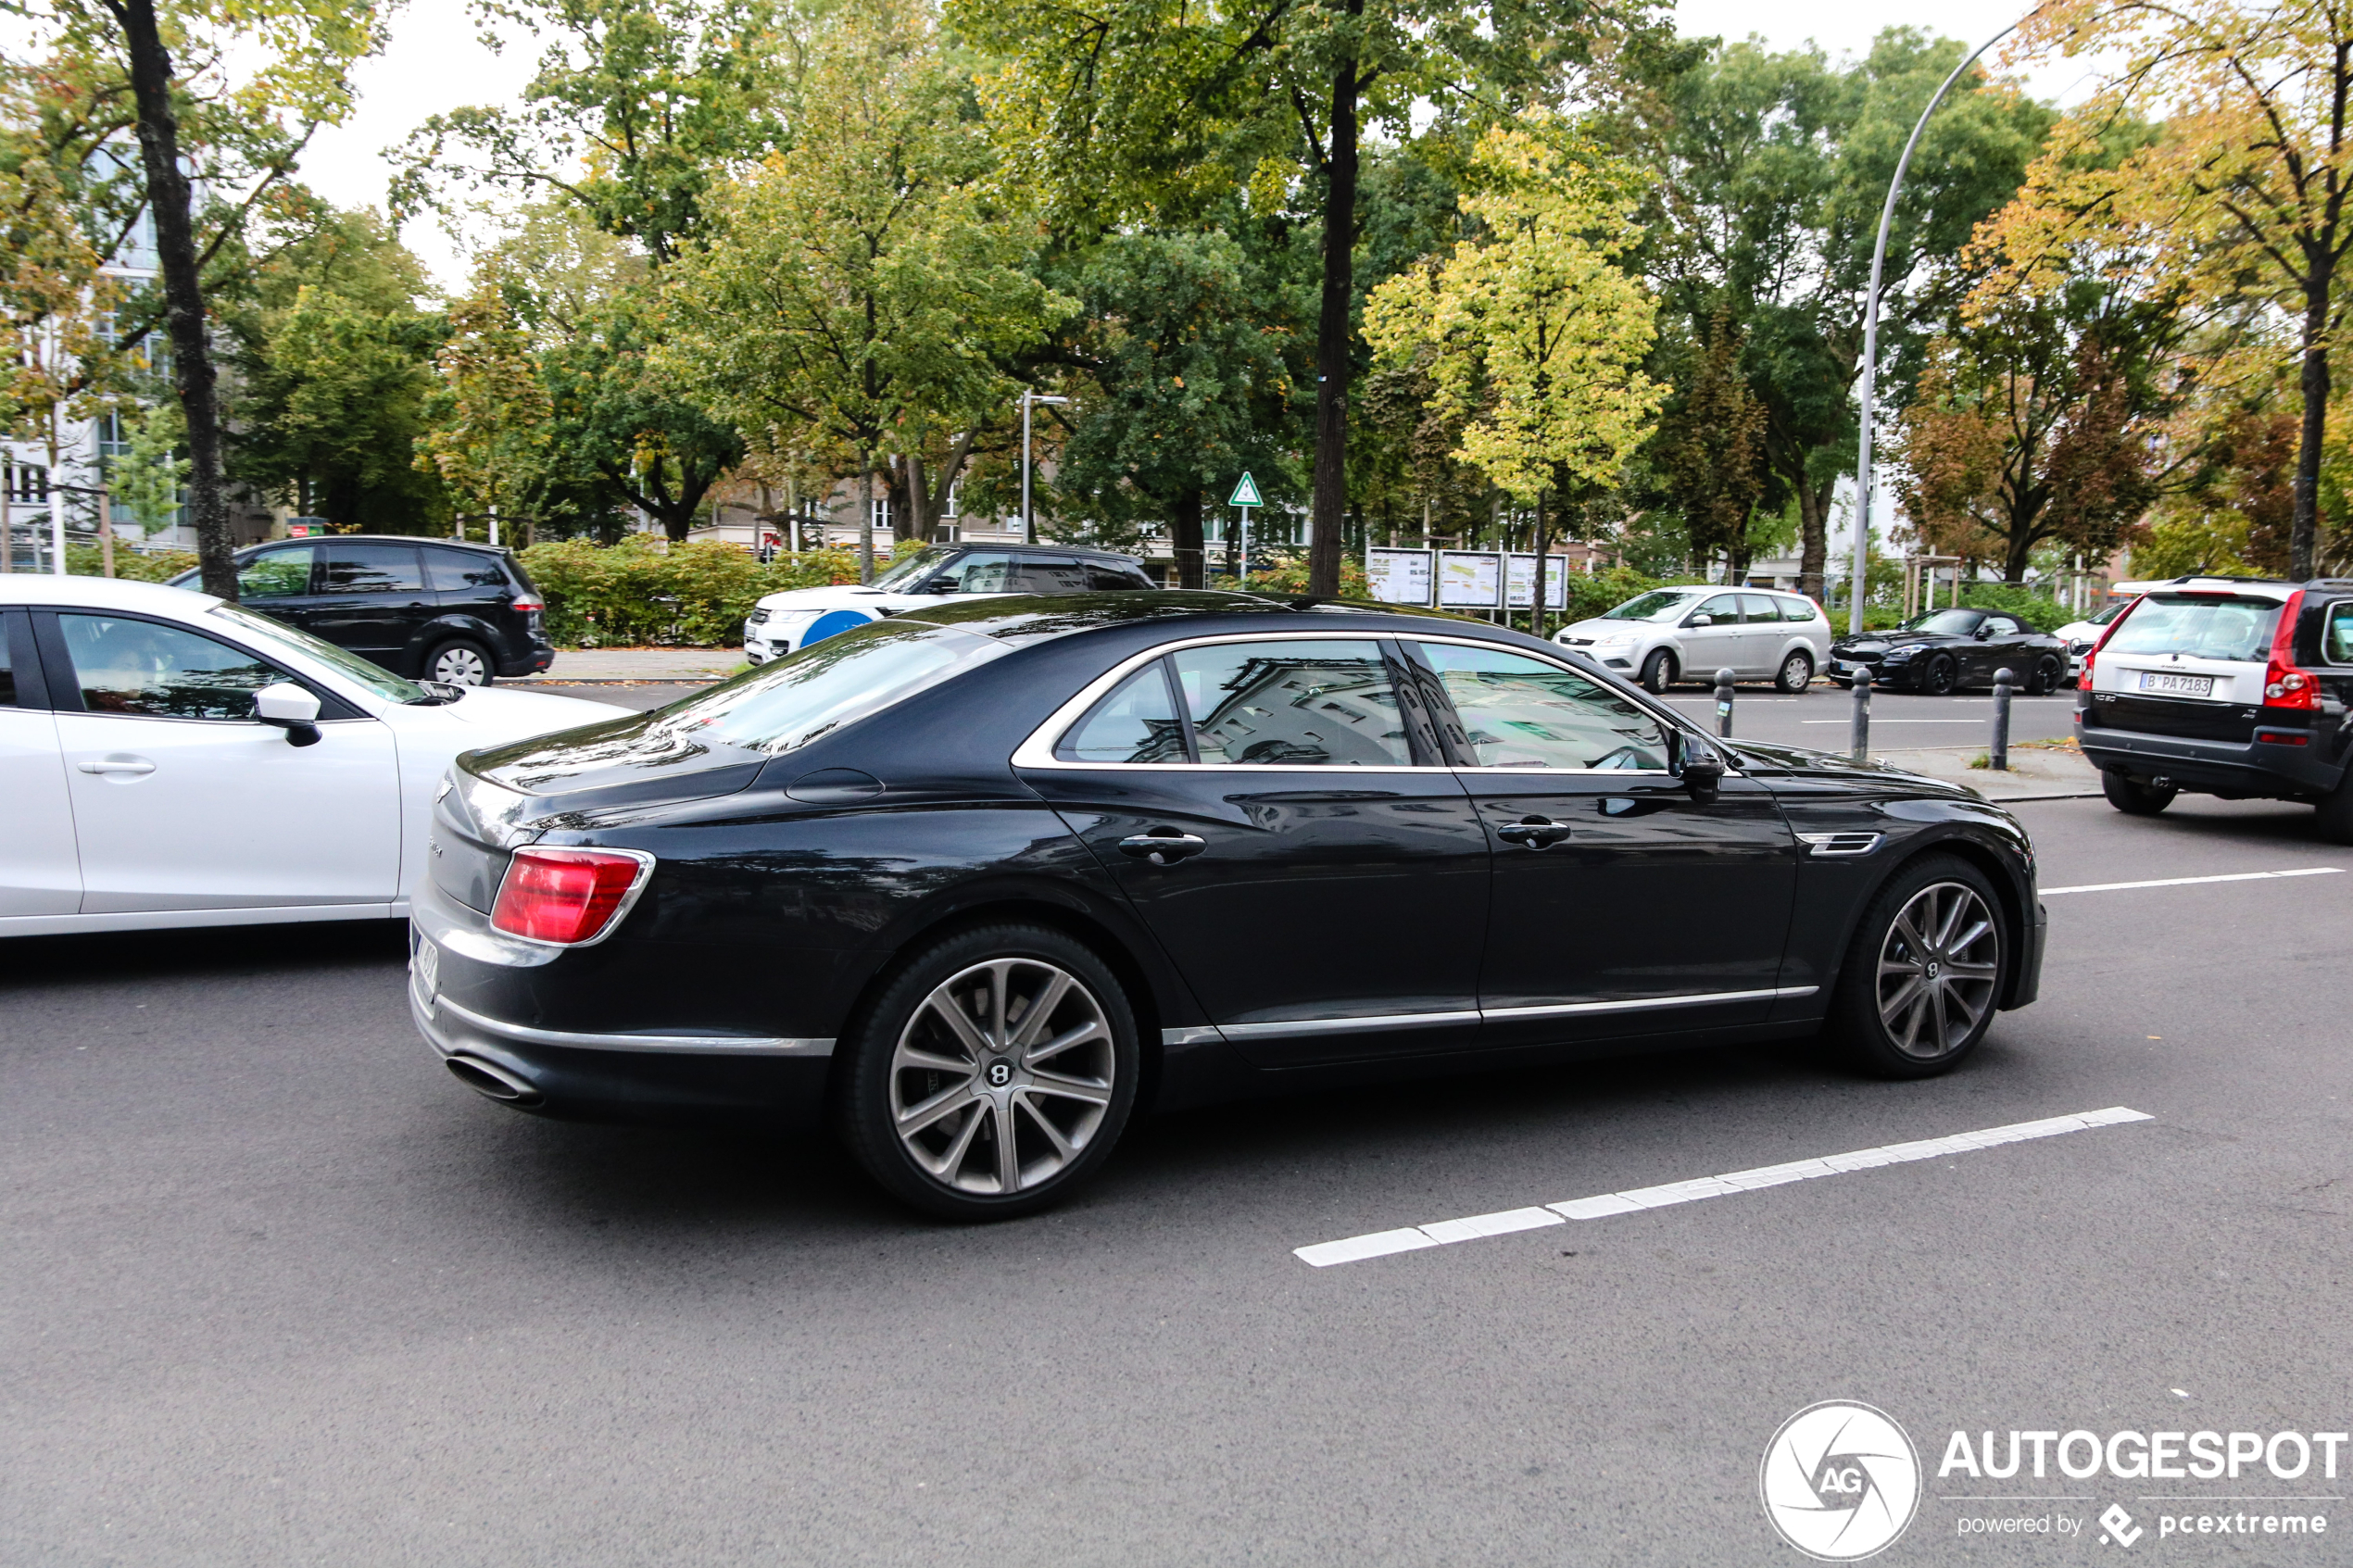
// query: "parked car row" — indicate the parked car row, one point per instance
point(784, 622)
point(1673, 635)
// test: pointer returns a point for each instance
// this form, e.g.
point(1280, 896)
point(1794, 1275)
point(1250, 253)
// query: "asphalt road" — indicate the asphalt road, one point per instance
point(276, 1290)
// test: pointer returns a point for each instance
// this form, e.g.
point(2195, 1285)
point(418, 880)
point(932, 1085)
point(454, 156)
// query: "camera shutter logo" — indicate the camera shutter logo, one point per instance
point(1840, 1481)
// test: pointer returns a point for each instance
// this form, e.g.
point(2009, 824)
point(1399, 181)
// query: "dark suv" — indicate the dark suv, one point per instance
point(2230, 686)
point(429, 608)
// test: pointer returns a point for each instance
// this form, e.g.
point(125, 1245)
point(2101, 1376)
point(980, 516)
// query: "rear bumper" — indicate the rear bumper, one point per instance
point(2216, 767)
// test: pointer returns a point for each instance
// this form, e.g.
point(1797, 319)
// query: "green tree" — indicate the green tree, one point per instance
point(1151, 108)
point(151, 476)
point(488, 436)
point(1711, 451)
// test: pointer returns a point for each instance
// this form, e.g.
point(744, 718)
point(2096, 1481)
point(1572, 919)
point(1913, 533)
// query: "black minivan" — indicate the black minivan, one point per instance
point(432, 609)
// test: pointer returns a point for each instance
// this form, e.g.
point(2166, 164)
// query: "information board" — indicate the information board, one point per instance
point(1471, 579)
point(1524, 582)
point(1399, 577)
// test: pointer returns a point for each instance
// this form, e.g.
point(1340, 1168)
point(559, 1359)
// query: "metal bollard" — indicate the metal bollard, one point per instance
point(1998, 755)
point(1860, 745)
point(1724, 703)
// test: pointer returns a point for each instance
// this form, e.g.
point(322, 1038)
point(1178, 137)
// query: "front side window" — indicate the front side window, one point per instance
point(1725, 607)
point(1664, 604)
point(371, 568)
point(1136, 723)
point(1520, 712)
point(1294, 704)
point(276, 574)
point(2000, 626)
point(139, 667)
point(806, 695)
point(2203, 627)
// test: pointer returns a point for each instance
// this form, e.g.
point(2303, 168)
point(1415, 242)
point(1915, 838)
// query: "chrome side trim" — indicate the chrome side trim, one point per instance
point(1191, 1037)
point(1828, 845)
point(1347, 1025)
point(707, 1044)
point(1648, 1004)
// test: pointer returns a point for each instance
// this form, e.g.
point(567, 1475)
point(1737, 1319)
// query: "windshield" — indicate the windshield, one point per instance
point(277, 634)
point(810, 694)
point(2110, 613)
point(1944, 622)
point(1662, 605)
point(907, 573)
point(2235, 629)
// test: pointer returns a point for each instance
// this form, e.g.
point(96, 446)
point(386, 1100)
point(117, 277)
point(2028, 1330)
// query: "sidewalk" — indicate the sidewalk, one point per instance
point(599, 666)
point(2035, 773)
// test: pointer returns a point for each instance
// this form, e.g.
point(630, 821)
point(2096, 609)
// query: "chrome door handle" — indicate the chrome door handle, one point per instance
point(1162, 849)
point(1537, 832)
point(133, 765)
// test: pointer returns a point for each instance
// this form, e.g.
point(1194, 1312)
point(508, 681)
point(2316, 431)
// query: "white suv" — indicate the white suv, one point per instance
point(1688, 633)
point(2232, 686)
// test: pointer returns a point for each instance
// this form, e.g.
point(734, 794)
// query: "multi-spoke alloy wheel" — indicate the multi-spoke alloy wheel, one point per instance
point(1938, 968)
point(1001, 1076)
point(992, 1075)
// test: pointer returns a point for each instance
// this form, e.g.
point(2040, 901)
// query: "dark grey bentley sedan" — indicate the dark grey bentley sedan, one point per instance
point(980, 883)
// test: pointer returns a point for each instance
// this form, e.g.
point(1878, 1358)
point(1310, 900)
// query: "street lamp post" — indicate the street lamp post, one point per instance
point(1028, 529)
point(1870, 338)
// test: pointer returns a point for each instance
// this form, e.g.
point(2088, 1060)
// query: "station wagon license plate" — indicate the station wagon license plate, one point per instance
point(2177, 686)
point(427, 963)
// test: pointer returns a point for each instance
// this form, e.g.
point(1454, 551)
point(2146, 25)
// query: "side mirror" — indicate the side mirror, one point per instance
point(1695, 763)
point(291, 708)
point(1983, 631)
point(1699, 621)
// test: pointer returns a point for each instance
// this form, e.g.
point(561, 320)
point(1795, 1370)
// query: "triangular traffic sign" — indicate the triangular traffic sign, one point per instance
point(1245, 494)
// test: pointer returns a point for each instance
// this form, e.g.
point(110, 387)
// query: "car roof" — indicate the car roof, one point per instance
point(102, 593)
point(1096, 552)
point(385, 539)
point(1038, 617)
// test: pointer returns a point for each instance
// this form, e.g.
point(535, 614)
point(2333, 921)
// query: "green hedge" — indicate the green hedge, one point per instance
point(88, 560)
point(688, 595)
point(2039, 610)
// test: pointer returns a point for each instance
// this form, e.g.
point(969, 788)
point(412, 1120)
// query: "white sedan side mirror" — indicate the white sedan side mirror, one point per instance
point(291, 708)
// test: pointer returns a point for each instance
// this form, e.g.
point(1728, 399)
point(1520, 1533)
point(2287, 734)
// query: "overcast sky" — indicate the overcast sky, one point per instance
point(435, 63)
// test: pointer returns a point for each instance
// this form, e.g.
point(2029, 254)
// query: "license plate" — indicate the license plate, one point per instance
point(2177, 686)
point(426, 962)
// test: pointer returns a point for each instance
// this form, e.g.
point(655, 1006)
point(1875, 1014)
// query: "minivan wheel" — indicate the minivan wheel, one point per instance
point(2136, 799)
point(459, 663)
point(1797, 672)
point(1658, 671)
point(1924, 973)
point(993, 1074)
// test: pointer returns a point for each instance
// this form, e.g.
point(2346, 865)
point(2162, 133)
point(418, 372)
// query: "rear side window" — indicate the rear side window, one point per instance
point(2201, 628)
point(1103, 578)
point(1136, 723)
point(371, 568)
point(809, 694)
point(1520, 712)
point(1294, 704)
point(139, 667)
point(2337, 639)
point(7, 662)
point(455, 572)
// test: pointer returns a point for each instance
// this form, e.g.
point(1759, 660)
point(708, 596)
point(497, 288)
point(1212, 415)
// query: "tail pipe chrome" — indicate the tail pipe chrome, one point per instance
point(494, 1082)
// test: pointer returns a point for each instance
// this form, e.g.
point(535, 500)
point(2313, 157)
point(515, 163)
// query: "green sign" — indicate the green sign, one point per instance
point(1245, 494)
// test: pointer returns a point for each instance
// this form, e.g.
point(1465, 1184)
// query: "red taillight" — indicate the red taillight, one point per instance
point(2284, 685)
point(2106, 633)
point(528, 603)
point(567, 896)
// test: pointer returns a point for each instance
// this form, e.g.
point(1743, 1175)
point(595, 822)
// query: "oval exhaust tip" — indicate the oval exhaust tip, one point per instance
point(496, 1083)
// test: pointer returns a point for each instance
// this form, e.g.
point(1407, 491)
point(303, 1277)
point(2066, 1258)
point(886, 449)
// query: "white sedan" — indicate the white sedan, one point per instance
point(168, 760)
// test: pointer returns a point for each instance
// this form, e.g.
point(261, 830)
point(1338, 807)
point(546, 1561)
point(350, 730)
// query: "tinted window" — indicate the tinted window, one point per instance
point(990, 573)
point(1293, 705)
point(276, 574)
point(2235, 629)
point(1136, 723)
point(1757, 607)
point(279, 637)
point(810, 694)
point(1946, 622)
point(1101, 577)
point(1521, 712)
point(160, 672)
point(2337, 644)
point(1725, 607)
point(371, 568)
point(8, 666)
point(2001, 626)
point(454, 572)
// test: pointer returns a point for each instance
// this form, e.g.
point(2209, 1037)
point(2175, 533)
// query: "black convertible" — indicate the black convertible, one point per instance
point(1947, 649)
point(981, 882)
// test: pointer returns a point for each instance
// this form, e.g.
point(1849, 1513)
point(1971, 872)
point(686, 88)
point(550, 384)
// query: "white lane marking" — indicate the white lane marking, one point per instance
point(1355, 1248)
point(2190, 880)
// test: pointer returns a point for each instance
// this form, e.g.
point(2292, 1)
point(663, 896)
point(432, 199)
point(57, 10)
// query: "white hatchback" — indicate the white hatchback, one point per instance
point(1688, 633)
point(168, 760)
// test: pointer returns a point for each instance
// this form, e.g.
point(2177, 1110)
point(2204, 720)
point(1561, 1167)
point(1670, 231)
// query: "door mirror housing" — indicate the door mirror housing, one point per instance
point(1985, 631)
point(1698, 620)
point(1695, 762)
point(289, 708)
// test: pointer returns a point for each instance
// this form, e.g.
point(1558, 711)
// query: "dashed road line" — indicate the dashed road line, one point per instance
point(1442, 1233)
point(2190, 880)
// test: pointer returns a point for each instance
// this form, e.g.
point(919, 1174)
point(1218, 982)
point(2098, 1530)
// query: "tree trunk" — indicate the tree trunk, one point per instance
point(1536, 611)
point(192, 371)
point(1184, 533)
point(1330, 503)
point(1813, 546)
point(865, 518)
point(909, 503)
point(2303, 531)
